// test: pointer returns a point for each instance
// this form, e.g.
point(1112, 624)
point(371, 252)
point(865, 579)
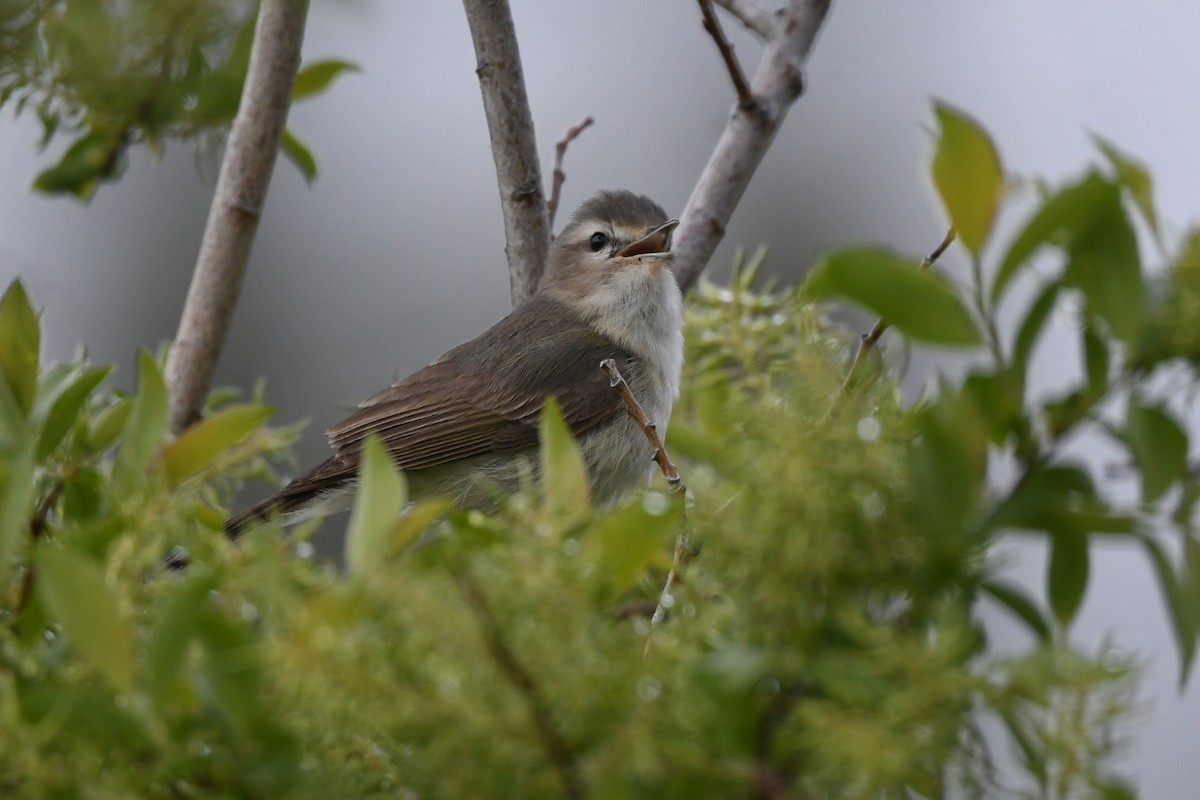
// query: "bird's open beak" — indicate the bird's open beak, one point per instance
point(655, 244)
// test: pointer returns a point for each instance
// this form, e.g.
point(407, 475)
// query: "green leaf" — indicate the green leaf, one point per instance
point(1061, 218)
point(66, 408)
point(918, 302)
point(948, 462)
point(1035, 321)
point(1019, 603)
point(173, 628)
point(563, 476)
point(20, 344)
point(91, 158)
point(1133, 175)
point(968, 176)
point(377, 505)
point(315, 78)
point(145, 428)
point(74, 590)
point(108, 425)
point(1095, 360)
point(1103, 262)
point(200, 444)
point(299, 154)
point(1067, 575)
point(1159, 445)
point(624, 543)
point(1182, 611)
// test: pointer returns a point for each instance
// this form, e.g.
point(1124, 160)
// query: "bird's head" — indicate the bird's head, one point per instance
point(615, 242)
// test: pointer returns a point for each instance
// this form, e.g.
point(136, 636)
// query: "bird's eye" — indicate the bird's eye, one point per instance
point(598, 241)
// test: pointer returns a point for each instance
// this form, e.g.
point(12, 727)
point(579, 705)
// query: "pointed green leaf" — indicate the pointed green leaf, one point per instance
point(145, 428)
point(1104, 263)
point(1019, 603)
point(315, 78)
point(1035, 320)
point(1067, 575)
point(626, 542)
point(1133, 176)
point(196, 447)
point(232, 668)
point(968, 175)
point(20, 343)
point(1095, 361)
point(377, 505)
point(1060, 218)
point(174, 627)
point(74, 590)
point(564, 479)
point(66, 408)
point(1159, 445)
point(918, 302)
point(1182, 611)
point(108, 425)
point(299, 154)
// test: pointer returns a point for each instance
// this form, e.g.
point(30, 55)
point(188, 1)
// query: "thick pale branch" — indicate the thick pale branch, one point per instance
point(236, 206)
point(776, 85)
point(514, 146)
point(751, 14)
point(559, 177)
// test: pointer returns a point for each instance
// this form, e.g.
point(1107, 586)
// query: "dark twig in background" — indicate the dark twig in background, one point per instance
point(869, 340)
point(514, 146)
point(555, 744)
point(557, 179)
point(745, 98)
point(683, 546)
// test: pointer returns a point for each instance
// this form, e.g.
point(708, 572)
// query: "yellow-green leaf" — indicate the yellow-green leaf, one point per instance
point(73, 589)
point(299, 154)
point(315, 78)
point(381, 496)
point(196, 448)
point(919, 302)
point(20, 343)
point(626, 542)
point(1134, 176)
point(968, 175)
point(145, 427)
point(564, 478)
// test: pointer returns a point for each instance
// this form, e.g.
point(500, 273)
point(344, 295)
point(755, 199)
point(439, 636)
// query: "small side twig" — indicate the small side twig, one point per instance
point(868, 340)
point(683, 547)
point(752, 15)
point(745, 97)
point(559, 751)
point(37, 527)
point(556, 181)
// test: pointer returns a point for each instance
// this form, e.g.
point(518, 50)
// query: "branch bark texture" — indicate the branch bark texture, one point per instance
point(237, 205)
point(788, 36)
point(514, 145)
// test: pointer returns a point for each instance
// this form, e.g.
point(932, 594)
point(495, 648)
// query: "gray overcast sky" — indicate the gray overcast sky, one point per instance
point(396, 253)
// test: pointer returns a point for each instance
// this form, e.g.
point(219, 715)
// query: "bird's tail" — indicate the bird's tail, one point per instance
point(314, 492)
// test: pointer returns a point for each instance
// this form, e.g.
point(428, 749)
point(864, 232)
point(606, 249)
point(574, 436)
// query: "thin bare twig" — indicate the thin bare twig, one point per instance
point(514, 146)
point(868, 340)
point(745, 98)
point(789, 35)
point(751, 14)
point(560, 151)
point(683, 546)
point(236, 207)
point(557, 749)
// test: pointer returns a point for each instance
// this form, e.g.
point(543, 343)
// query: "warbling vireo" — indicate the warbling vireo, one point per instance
point(467, 424)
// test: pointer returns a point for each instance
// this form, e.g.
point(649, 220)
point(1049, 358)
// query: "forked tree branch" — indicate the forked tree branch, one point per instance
point(514, 145)
point(559, 177)
point(789, 35)
point(236, 207)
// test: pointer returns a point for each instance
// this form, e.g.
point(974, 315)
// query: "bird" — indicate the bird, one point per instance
point(466, 425)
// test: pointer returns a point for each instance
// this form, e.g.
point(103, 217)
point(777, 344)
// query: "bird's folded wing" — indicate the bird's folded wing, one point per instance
point(487, 398)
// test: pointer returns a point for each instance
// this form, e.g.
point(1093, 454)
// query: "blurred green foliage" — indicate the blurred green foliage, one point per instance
point(825, 642)
point(112, 74)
